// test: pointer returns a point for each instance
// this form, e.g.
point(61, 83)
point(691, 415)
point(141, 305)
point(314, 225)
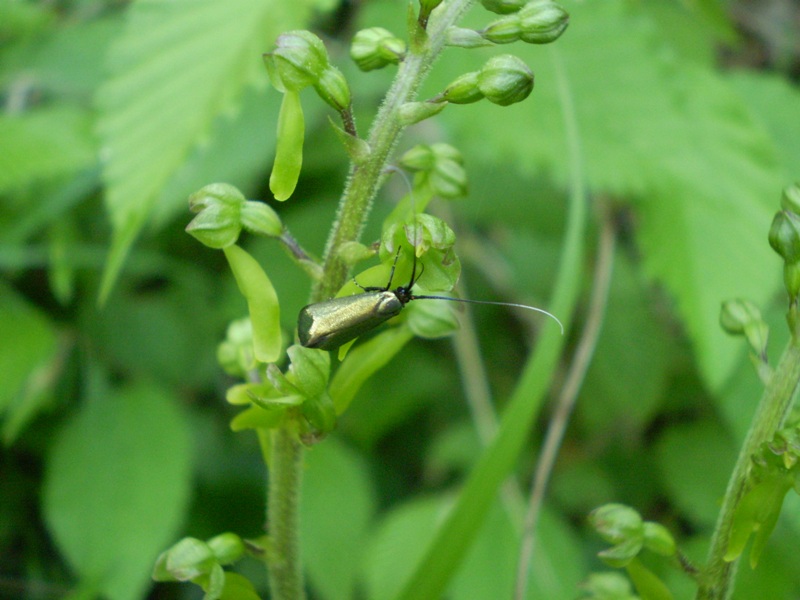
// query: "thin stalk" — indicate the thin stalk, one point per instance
point(717, 579)
point(568, 396)
point(285, 473)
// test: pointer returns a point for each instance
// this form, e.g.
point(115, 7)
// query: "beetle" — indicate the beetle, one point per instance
point(331, 323)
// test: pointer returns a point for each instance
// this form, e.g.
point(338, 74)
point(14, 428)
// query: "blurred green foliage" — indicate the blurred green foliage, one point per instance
point(114, 426)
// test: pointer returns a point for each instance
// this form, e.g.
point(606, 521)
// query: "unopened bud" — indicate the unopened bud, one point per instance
point(332, 88)
point(376, 47)
point(503, 7)
point(414, 112)
point(542, 22)
point(461, 37)
point(504, 30)
point(260, 219)
point(298, 60)
point(227, 547)
point(218, 222)
point(784, 236)
point(463, 90)
point(505, 80)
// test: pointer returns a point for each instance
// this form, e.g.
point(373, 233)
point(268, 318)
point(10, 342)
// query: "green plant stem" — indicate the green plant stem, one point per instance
point(716, 581)
point(285, 473)
point(286, 459)
point(601, 284)
point(364, 179)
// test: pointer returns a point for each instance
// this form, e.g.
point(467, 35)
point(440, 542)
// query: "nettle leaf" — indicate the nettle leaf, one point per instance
point(117, 486)
point(673, 136)
point(178, 64)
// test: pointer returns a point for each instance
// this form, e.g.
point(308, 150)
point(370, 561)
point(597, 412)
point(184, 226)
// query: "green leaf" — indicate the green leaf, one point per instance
point(117, 486)
point(676, 137)
point(363, 361)
point(28, 347)
point(648, 585)
point(262, 303)
point(42, 144)
point(177, 65)
point(337, 506)
point(238, 587)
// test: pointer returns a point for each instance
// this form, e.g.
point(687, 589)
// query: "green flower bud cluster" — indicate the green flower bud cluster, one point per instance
point(623, 527)
point(741, 317)
point(200, 561)
point(784, 237)
point(537, 22)
point(376, 47)
point(301, 60)
point(534, 22)
point(235, 353)
point(222, 212)
point(299, 395)
point(775, 471)
point(503, 80)
point(440, 167)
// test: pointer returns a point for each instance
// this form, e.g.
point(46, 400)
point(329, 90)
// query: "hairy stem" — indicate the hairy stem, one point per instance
point(286, 456)
point(285, 473)
point(364, 179)
point(716, 581)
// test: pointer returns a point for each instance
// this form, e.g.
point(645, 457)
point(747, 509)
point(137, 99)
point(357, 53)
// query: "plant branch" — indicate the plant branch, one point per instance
point(716, 581)
point(364, 179)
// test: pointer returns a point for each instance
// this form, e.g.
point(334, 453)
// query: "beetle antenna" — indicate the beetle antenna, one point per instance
point(514, 304)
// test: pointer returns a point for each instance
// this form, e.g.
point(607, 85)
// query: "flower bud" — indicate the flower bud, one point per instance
point(504, 30)
point(235, 353)
point(227, 547)
point(461, 37)
point(658, 539)
point(448, 179)
point(215, 194)
point(376, 47)
point(298, 60)
point(505, 80)
point(260, 219)
point(216, 226)
point(503, 7)
point(414, 112)
point(542, 22)
point(332, 88)
point(463, 90)
point(616, 522)
point(790, 199)
point(738, 314)
point(419, 158)
point(784, 236)
point(187, 559)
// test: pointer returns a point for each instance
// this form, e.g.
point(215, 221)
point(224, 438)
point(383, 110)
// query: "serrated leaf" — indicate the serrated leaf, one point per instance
point(116, 487)
point(337, 491)
point(670, 134)
point(177, 65)
point(42, 144)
